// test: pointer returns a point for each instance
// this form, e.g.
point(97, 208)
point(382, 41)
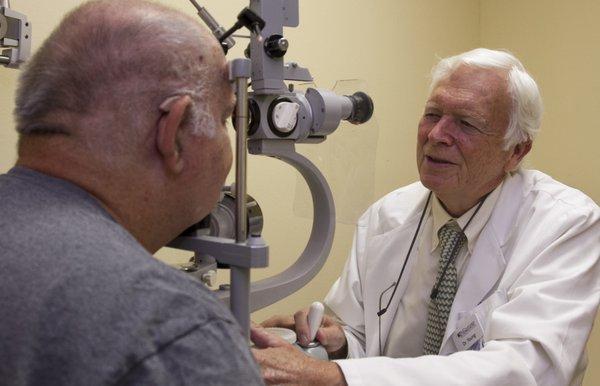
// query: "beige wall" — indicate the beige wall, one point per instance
point(392, 45)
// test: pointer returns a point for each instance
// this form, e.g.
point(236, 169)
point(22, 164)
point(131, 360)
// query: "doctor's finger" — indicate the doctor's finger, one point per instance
point(302, 330)
point(262, 339)
point(328, 321)
point(285, 321)
point(332, 338)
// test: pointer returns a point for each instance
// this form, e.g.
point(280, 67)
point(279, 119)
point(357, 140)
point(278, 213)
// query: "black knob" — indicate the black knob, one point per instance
point(276, 46)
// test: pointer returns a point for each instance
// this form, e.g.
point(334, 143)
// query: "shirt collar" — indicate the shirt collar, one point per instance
point(441, 217)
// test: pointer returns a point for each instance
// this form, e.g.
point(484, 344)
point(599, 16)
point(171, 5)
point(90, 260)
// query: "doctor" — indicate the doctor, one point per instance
point(482, 273)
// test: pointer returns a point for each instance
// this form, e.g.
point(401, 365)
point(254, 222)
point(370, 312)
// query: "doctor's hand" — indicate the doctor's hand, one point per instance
point(283, 364)
point(330, 334)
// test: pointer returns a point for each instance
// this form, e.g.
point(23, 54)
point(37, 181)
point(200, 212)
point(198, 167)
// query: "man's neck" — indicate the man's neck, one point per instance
point(456, 209)
point(122, 197)
point(457, 204)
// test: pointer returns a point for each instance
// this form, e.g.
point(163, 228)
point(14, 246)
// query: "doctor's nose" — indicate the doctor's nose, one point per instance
point(442, 131)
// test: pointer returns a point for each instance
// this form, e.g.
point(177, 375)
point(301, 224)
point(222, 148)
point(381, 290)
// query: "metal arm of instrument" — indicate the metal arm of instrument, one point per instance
point(316, 251)
point(270, 121)
point(214, 26)
point(15, 36)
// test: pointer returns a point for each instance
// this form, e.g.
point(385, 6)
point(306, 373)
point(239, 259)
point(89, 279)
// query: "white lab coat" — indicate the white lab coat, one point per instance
point(533, 281)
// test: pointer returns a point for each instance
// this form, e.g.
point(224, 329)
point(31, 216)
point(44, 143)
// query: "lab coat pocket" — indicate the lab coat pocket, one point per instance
point(471, 325)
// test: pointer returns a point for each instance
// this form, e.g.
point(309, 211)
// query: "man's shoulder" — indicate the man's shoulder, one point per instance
point(542, 191)
point(80, 283)
point(531, 202)
point(218, 346)
point(86, 254)
point(53, 222)
point(545, 184)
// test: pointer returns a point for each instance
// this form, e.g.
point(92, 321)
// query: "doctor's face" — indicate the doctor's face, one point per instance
point(461, 134)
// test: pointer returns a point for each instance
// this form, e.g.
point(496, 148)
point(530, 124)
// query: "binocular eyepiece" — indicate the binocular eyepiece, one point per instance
point(362, 108)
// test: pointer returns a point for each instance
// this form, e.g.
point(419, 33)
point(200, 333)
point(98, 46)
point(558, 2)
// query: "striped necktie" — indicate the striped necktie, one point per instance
point(451, 239)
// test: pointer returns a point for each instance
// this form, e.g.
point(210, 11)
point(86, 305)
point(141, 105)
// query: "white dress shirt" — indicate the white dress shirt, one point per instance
point(407, 332)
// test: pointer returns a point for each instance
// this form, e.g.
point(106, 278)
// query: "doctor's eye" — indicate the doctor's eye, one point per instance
point(431, 116)
point(469, 126)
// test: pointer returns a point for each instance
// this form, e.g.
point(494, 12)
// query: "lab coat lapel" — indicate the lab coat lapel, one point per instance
point(485, 267)
point(382, 272)
point(487, 262)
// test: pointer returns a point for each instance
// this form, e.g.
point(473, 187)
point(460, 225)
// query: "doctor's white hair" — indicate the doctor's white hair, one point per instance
point(107, 68)
point(526, 115)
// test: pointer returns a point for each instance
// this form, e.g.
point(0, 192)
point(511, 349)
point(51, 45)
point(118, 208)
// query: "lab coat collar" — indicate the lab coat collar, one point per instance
point(487, 262)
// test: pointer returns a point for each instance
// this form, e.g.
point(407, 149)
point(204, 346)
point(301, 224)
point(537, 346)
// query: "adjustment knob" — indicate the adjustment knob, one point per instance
point(285, 116)
point(276, 46)
point(315, 317)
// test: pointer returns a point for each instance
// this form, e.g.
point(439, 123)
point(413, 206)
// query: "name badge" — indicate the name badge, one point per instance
point(469, 333)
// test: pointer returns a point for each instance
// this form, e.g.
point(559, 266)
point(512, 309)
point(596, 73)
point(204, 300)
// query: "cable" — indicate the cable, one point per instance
point(379, 319)
point(383, 311)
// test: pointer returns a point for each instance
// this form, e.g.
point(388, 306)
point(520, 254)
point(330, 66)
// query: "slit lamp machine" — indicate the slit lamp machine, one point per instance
point(269, 120)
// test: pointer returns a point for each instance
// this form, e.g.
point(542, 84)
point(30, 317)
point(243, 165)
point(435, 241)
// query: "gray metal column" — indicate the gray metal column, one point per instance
point(240, 276)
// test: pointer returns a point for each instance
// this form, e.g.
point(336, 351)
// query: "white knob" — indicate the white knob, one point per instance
point(315, 317)
point(285, 115)
point(209, 278)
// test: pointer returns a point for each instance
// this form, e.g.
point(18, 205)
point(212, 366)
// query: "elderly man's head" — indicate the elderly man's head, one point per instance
point(128, 99)
point(478, 124)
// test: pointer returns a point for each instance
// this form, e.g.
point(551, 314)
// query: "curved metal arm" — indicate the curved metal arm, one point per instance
point(268, 291)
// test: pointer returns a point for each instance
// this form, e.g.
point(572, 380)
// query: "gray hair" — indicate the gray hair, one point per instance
point(526, 114)
point(109, 65)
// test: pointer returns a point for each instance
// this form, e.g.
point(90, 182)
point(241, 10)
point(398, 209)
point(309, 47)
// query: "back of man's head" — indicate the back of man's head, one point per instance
point(102, 74)
point(126, 99)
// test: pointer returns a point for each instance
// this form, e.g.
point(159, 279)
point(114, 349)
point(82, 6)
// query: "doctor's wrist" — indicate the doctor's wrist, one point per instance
point(328, 374)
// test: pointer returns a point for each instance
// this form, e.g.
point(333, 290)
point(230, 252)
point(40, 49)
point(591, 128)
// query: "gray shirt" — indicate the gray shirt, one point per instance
point(83, 303)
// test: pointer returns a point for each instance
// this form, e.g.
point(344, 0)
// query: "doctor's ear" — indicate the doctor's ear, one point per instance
point(517, 154)
point(169, 128)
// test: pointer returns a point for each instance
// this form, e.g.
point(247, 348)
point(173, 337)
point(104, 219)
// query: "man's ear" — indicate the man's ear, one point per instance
point(169, 126)
point(517, 154)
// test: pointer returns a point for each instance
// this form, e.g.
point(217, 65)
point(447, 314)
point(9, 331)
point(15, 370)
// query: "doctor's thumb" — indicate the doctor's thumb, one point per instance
point(331, 337)
point(263, 339)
